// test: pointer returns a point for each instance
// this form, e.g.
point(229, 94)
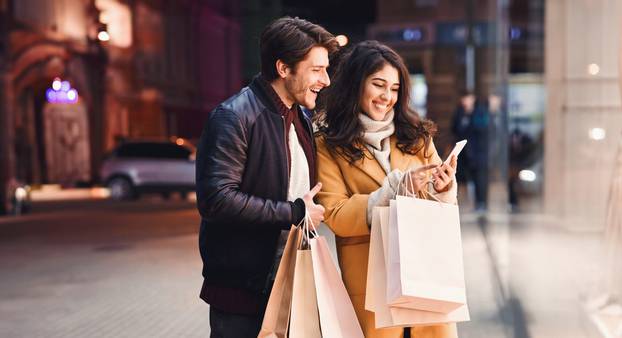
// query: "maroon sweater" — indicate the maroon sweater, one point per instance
point(294, 115)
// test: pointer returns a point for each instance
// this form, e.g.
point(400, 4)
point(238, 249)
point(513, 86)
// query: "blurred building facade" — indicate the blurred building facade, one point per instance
point(160, 66)
point(254, 16)
point(465, 45)
point(584, 114)
point(487, 47)
point(554, 62)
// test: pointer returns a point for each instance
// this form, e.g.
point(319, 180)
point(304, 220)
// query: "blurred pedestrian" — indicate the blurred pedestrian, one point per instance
point(471, 121)
point(367, 143)
point(255, 172)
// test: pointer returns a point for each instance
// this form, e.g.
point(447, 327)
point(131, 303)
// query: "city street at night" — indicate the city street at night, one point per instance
point(132, 269)
point(118, 117)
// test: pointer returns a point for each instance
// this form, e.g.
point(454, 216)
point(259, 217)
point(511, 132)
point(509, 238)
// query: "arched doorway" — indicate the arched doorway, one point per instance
point(51, 143)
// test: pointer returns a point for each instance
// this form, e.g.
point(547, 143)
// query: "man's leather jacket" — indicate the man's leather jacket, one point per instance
point(242, 182)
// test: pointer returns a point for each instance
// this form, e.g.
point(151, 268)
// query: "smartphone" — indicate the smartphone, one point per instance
point(457, 149)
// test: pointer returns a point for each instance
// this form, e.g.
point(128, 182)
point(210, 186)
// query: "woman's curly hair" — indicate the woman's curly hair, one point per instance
point(339, 123)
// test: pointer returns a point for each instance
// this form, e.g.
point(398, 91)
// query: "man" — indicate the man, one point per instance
point(471, 121)
point(255, 170)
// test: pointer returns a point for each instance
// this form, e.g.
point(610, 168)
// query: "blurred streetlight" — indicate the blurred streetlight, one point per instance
point(597, 134)
point(342, 40)
point(56, 85)
point(593, 69)
point(103, 36)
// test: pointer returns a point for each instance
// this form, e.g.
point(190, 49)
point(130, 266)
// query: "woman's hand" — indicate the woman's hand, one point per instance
point(415, 179)
point(443, 175)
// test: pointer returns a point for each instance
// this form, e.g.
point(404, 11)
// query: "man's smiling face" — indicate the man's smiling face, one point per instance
point(304, 82)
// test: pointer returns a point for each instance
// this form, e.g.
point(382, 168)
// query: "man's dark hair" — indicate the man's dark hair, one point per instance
point(289, 40)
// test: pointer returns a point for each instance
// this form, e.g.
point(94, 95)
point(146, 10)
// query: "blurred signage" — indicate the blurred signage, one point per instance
point(61, 92)
point(523, 33)
point(406, 34)
point(455, 33)
point(485, 33)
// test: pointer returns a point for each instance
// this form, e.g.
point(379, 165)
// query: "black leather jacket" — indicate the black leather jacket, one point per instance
point(242, 176)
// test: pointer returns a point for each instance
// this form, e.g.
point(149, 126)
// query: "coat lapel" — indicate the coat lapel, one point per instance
point(398, 159)
point(370, 166)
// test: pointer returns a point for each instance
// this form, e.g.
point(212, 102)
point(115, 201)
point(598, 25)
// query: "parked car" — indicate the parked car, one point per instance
point(138, 167)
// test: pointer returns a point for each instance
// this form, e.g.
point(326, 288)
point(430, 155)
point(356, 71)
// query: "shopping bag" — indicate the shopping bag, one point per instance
point(305, 322)
point(276, 318)
point(428, 257)
point(337, 316)
point(376, 268)
point(375, 298)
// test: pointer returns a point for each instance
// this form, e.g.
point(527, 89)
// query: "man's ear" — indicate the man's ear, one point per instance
point(282, 68)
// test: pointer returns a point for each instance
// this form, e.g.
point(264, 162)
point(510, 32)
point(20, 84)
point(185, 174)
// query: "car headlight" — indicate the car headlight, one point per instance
point(20, 194)
point(527, 175)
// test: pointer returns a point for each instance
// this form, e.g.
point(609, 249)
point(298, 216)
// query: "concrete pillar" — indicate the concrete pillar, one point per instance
point(6, 113)
point(583, 99)
point(7, 154)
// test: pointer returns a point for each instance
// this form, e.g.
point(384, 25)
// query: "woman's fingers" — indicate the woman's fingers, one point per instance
point(425, 168)
point(445, 172)
point(451, 170)
point(442, 176)
point(454, 162)
point(414, 180)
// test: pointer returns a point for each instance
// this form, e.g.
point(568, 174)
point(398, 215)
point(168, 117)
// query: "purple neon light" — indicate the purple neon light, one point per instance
point(64, 93)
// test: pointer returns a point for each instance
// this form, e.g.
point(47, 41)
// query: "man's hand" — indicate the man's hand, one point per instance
point(315, 211)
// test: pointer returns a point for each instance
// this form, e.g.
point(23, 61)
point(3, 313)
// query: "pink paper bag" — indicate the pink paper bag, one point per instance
point(304, 322)
point(276, 318)
point(337, 316)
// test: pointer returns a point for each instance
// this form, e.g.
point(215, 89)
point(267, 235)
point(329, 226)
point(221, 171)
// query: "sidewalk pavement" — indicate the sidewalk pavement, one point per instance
point(54, 192)
point(527, 276)
point(142, 289)
point(544, 274)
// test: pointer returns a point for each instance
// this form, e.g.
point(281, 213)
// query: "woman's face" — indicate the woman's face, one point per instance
point(380, 91)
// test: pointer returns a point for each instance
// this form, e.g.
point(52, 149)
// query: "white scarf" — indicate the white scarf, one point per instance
point(376, 137)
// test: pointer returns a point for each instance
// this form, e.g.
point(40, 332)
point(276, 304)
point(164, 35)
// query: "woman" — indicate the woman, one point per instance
point(367, 140)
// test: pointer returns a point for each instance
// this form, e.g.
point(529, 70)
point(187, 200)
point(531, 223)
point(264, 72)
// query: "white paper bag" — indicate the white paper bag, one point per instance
point(375, 298)
point(425, 271)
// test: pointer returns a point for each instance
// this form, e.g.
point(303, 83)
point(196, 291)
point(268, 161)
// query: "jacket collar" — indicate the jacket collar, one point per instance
point(372, 168)
point(259, 90)
point(259, 86)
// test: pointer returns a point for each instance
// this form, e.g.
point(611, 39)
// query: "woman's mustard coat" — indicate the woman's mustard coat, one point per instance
point(344, 194)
